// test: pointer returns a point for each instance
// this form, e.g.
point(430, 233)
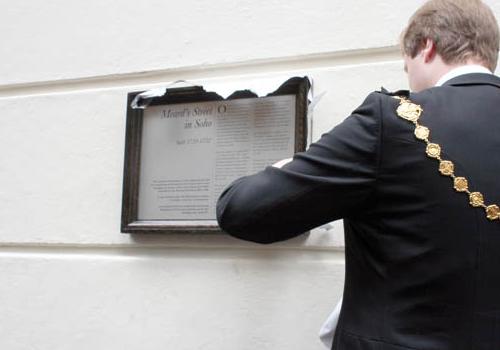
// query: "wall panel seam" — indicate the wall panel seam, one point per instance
point(263, 66)
point(30, 247)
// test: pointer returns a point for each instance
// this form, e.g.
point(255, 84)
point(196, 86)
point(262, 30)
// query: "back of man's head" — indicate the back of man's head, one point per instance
point(462, 30)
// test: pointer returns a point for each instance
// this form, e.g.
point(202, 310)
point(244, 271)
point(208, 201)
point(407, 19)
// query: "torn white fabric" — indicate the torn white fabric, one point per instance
point(157, 92)
point(327, 331)
point(261, 86)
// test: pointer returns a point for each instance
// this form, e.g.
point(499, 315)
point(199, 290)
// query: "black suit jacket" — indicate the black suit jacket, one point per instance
point(422, 265)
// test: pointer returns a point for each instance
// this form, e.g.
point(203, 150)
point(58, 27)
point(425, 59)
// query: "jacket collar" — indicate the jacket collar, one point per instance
point(474, 79)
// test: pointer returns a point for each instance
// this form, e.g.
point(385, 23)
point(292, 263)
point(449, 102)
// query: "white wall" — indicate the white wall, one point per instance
point(70, 279)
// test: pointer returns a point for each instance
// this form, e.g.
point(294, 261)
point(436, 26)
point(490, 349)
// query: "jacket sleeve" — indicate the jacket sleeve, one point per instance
point(333, 179)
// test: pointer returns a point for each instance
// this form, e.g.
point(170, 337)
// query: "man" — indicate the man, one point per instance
point(415, 177)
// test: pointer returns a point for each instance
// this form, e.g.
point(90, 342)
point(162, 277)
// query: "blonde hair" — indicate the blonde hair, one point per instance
point(460, 29)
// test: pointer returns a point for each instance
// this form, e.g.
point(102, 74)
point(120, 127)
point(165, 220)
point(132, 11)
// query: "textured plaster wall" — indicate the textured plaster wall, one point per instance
point(70, 279)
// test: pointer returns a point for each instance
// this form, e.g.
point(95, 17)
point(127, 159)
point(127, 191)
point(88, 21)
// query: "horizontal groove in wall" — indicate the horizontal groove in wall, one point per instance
point(283, 246)
point(272, 65)
point(120, 252)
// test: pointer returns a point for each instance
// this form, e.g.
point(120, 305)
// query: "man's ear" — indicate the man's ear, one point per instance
point(429, 50)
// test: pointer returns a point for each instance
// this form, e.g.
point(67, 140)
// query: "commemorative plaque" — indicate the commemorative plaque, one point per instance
point(186, 146)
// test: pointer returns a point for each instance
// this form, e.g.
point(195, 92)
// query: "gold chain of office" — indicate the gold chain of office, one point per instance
point(411, 112)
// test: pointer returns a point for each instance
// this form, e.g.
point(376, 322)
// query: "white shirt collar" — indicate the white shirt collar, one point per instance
point(455, 72)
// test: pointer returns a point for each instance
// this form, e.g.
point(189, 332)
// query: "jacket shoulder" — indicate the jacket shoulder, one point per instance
point(382, 101)
point(385, 98)
point(400, 93)
point(389, 100)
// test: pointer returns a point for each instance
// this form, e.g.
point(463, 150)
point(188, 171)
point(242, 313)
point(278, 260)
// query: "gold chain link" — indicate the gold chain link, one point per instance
point(411, 112)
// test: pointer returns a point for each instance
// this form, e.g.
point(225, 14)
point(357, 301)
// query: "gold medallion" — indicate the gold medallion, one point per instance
point(476, 199)
point(446, 167)
point(461, 184)
point(422, 133)
point(409, 111)
point(493, 212)
point(433, 150)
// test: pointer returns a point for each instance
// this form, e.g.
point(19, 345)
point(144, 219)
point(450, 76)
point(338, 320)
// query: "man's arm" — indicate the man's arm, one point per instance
point(333, 179)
